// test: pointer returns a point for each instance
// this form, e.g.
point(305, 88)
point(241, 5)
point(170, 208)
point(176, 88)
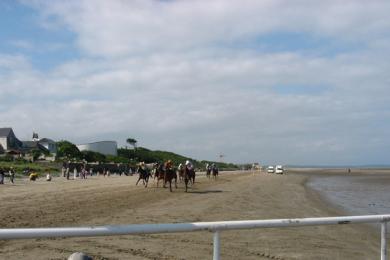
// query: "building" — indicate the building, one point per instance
point(49, 144)
point(29, 146)
point(45, 145)
point(8, 140)
point(103, 147)
point(11, 145)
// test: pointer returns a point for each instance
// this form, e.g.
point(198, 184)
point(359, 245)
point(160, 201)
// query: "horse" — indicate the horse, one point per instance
point(166, 175)
point(189, 176)
point(143, 175)
point(181, 173)
point(215, 172)
point(208, 172)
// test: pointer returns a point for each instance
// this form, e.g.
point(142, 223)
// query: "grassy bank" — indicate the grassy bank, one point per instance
point(21, 166)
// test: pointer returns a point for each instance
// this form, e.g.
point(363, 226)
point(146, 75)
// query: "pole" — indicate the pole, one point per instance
point(383, 241)
point(216, 246)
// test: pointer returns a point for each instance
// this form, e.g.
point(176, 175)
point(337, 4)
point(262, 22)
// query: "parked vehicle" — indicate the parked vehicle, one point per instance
point(279, 169)
point(270, 169)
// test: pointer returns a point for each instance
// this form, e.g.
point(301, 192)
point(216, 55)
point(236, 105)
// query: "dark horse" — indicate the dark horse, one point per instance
point(166, 175)
point(189, 176)
point(208, 172)
point(215, 172)
point(143, 175)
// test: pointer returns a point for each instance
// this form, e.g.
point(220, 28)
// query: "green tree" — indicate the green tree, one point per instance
point(36, 153)
point(67, 149)
point(132, 142)
point(91, 156)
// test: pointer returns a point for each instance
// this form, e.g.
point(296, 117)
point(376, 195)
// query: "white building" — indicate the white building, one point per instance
point(103, 147)
point(49, 144)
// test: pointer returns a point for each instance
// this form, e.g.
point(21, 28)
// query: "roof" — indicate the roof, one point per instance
point(98, 142)
point(46, 140)
point(5, 131)
point(30, 145)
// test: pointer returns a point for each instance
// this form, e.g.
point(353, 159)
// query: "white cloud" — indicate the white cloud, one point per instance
point(173, 75)
point(115, 28)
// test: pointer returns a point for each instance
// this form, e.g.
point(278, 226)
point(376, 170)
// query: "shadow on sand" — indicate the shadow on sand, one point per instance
point(205, 191)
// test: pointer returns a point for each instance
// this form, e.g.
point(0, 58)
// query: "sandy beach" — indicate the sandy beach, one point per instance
point(234, 196)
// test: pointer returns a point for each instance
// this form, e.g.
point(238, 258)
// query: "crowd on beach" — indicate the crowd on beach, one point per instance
point(7, 172)
point(74, 171)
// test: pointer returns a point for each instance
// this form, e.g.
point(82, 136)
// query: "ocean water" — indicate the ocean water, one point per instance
point(356, 195)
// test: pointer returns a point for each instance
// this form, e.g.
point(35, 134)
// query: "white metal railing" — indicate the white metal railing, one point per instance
point(216, 227)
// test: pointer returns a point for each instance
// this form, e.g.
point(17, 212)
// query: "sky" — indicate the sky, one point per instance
point(276, 82)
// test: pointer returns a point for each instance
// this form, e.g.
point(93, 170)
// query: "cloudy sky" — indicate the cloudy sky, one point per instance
point(289, 82)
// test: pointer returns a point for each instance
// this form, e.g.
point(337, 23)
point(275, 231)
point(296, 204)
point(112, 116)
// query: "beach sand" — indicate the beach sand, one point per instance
point(234, 196)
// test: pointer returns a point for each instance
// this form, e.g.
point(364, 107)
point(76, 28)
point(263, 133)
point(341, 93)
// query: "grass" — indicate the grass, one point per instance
point(40, 168)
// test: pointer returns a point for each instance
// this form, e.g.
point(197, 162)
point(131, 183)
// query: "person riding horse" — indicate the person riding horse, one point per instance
point(189, 175)
point(181, 172)
point(168, 166)
point(214, 169)
point(143, 174)
point(208, 170)
point(169, 174)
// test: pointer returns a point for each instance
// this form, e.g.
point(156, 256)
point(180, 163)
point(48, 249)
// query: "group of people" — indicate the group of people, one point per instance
point(211, 167)
point(84, 171)
point(166, 166)
point(187, 165)
point(7, 172)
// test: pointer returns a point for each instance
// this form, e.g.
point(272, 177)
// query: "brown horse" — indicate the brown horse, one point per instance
point(181, 173)
point(166, 175)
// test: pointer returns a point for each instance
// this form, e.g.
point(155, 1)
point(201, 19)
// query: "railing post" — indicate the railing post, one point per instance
point(383, 240)
point(216, 245)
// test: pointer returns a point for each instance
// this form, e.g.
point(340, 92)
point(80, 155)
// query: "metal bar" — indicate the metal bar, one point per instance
point(217, 246)
point(25, 233)
point(384, 241)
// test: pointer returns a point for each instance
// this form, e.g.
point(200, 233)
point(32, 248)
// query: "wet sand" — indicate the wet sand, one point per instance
point(234, 196)
point(363, 194)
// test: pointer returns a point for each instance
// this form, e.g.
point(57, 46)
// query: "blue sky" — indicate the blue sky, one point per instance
point(22, 34)
point(273, 82)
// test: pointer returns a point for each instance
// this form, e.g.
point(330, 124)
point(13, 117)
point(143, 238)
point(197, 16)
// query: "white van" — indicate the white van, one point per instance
point(270, 169)
point(279, 169)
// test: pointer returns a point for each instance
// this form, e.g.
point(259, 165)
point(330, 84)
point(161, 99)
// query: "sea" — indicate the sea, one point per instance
point(355, 194)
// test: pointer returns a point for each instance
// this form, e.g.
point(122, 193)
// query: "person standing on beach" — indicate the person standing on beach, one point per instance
point(1, 176)
point(63, 171)
point(11, 175)
point(48, 176)
point(75, 173)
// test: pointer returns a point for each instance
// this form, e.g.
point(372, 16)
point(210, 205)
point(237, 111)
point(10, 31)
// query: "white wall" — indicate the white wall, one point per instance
point(104, 147)
point(3, 142)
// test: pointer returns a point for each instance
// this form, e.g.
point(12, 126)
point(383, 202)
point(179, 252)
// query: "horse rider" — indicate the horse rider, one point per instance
point(168, 165)
point(143, 173)
point(189, 165)
point(208, 170)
